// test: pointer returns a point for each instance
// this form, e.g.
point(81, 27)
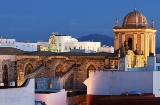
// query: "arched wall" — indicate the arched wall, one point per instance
point(28, 69)
point(5, 74)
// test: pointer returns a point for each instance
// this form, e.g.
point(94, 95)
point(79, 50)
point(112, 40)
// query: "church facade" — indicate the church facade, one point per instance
point(137, 33)
point(135, 39)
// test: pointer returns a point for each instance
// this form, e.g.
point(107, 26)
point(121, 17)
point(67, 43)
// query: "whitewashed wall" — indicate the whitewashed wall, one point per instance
point(43, 43)
point(83, 45)
point(59, 98)
point(19, 45)
point(105, 48)
point(117, 82)
point(69, 42)
point(7, 42)
point(156, 83)
point(26, 46)
point(151, 63)
point(18, 96)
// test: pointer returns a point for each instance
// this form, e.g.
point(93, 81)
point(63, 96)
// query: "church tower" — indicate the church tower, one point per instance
point(136, 32)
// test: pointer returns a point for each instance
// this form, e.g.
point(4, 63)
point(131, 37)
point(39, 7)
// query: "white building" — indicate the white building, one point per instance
point(25, 46)
point(105, 48)
point(7, 42)
point(64, 43)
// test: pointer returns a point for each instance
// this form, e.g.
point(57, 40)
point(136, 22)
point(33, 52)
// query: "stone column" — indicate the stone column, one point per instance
point(134, 42)
point(145, 45)
point(151, 38)
point(142, 43)
point(154, 41)
point(123, 38)
point(116, 41)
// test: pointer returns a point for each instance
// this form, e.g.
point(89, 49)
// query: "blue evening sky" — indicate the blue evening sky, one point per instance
point(36, 19)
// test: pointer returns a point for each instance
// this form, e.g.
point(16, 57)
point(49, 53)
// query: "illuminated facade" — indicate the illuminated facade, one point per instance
point(64, 43)
point(137, 33)
point(135, 39)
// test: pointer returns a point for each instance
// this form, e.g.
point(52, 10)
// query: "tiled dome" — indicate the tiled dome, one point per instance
point(135, 19)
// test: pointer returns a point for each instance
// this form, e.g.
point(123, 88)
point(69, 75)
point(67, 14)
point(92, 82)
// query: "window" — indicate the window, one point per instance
point(65, 47)
point(28, 45)
point(130, 43)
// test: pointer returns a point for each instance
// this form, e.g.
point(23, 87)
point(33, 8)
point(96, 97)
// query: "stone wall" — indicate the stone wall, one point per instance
point(9, 62)
point(76, 78)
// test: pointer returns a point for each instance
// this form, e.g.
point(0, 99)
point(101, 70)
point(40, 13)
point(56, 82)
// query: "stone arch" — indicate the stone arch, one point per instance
point(59, 70)
point(55, 64)
point(28, 68)
point(5, 74)
point(91, 63)
point(130, 43)
point(90, 67)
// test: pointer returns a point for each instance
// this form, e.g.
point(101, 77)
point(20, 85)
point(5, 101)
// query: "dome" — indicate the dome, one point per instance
point(135, 19)
point(134, 92)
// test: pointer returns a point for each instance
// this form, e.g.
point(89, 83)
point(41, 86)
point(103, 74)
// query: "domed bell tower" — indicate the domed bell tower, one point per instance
point(137, 33)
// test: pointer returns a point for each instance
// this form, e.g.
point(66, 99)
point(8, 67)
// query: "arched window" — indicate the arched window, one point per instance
point(130, 43)
point(28, 69)
point(59, 70)
point(91, 67)
point(5, 75)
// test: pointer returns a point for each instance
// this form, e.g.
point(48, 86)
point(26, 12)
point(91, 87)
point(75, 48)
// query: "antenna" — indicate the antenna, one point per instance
point(135, 5)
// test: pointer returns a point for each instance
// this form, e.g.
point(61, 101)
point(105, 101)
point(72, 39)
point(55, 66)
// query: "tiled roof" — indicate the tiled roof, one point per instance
point(47, 53)
point(14, 51)
point(10, 51)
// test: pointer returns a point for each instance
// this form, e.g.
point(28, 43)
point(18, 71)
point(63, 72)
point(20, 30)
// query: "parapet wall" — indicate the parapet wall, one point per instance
point(18, 96)
point(118, 82)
